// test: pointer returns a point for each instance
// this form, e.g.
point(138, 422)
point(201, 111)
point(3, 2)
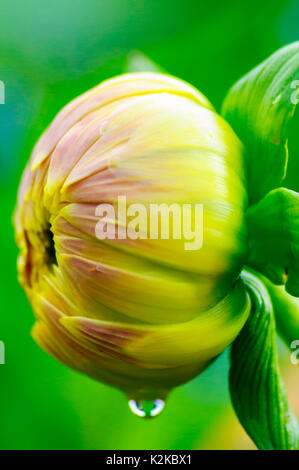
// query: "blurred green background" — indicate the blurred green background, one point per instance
point(49, 53)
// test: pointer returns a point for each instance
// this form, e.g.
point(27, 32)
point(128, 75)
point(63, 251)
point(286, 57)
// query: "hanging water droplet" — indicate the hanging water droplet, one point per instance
point(147, 408)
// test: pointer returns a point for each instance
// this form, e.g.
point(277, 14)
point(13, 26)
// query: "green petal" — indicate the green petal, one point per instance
point(139, 62)
point(273, 233)
point(286, 311)
point(256, 388)
point(259, 107)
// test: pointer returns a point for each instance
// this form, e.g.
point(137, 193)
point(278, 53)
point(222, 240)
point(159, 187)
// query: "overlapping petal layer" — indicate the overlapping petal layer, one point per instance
point(141, 314)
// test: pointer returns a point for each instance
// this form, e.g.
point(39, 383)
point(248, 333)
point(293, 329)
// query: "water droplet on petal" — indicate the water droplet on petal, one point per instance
point(147, 408)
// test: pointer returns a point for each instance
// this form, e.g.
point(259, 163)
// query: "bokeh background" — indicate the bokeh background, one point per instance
point(49, 53)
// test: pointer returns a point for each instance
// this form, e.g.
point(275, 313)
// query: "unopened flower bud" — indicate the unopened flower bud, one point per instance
point(136, 311)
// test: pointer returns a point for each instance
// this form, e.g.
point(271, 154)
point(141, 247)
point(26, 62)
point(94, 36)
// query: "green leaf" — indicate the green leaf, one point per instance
point(260, 107)
point(273, 237)
point(139, 62)
point(286, 311)
point(256, 388)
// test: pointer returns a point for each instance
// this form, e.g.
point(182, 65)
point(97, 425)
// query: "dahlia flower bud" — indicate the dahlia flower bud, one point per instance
point(140, 313)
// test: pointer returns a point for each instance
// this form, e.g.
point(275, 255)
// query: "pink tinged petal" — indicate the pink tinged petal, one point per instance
point(130, 378)
point(74, 145)
point(104, 338)
point(146, 124)
point(105, 93)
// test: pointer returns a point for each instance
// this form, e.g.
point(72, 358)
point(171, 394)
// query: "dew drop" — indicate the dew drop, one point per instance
point(147, 408)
